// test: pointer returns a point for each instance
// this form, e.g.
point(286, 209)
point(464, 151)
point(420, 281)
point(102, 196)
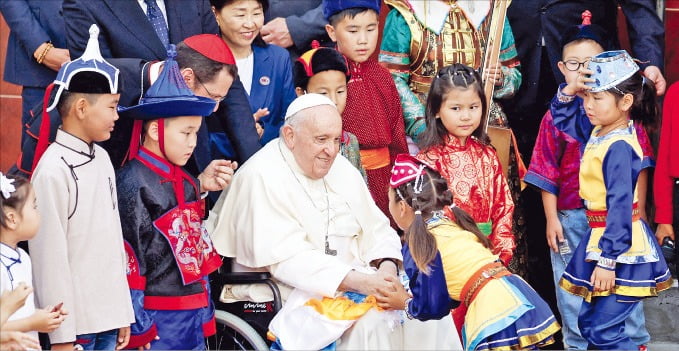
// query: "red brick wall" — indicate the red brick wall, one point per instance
point(10, 110)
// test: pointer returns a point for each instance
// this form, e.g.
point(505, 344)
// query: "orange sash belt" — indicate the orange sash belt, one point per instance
point(375, 158)
point(597, 219)
point(480, 278)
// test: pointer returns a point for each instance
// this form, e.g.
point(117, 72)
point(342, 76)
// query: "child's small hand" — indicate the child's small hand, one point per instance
point(663, 231)
point(495, 74)
point(579, 84)
point(393, 296)
point(258, 115)
point(45, 321)
point(554, 234)
point(14, 340)
point(217, 175)
point(123, 338)
point(12, 300)
point(602, 279)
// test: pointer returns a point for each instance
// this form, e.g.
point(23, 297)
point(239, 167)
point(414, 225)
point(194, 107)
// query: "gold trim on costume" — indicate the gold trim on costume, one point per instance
point(546, 335)
point(534, 339)
point(634, 291)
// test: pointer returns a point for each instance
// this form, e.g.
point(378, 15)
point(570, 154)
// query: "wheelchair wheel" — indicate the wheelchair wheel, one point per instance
point(233, 333)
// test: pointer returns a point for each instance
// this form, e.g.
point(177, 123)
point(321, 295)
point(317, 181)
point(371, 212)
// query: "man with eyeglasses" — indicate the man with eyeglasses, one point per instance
point(204, 64)
point(201, 59)
point(142, 29)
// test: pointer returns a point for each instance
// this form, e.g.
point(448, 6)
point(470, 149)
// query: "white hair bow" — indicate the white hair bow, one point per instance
point(6, 186)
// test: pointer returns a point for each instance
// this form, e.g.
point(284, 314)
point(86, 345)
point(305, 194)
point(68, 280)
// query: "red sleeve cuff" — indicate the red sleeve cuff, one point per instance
point(662, 215)
point(140, 340)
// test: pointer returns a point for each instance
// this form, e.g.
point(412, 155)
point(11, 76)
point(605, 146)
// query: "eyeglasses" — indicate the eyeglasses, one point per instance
point(574, 65)
point(212, 96)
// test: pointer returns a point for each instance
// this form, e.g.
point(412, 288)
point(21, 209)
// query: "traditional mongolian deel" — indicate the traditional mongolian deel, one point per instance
point(422, 37)
point(503, 311)
point(475, 176)
point(617, 232)
point(377, 126)
point(80, 229)
point(169, 252)
point(619, 240)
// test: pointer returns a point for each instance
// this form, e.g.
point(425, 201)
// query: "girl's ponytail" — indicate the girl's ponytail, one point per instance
point(421, 242)
point(645, 107)
point(428, 195)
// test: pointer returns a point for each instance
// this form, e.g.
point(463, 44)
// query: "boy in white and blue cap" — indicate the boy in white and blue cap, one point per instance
point(78, 255)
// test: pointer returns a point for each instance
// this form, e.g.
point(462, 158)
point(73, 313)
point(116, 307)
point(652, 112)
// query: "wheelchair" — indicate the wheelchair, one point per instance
point(242, 325)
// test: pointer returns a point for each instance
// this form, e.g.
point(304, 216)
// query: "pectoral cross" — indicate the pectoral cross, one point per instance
point(328, 250)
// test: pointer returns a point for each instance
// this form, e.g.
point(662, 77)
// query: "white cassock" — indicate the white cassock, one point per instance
point(272, 216)
point(274, 219)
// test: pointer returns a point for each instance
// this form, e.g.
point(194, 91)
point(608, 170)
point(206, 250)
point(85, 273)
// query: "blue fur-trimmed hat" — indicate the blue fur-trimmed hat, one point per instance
point(331, 7)
point(169, 96)
point(88, 74)
point(587, 30)
point(610, 69)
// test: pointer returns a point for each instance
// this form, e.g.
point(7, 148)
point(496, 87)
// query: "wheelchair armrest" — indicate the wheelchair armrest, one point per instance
point(245, 277)
point(251, 278)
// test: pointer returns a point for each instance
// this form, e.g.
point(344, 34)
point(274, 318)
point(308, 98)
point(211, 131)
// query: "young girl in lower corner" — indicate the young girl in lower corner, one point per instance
point(19, 221)
point(449, 260)
point(324, 71)
point(619, 262)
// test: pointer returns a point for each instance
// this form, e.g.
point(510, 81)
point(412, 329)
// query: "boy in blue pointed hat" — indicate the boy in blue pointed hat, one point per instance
point(169, 251)
point(80, 231)
point(618, 262)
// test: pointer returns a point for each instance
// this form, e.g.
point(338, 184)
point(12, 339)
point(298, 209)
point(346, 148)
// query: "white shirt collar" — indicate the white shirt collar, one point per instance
point(161, 6)
point(74, 143)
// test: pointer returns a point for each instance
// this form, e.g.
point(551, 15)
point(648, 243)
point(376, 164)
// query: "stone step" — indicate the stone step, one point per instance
point(662, 320)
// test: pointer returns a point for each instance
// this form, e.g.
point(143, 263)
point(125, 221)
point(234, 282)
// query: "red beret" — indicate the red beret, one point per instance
point(211, 46)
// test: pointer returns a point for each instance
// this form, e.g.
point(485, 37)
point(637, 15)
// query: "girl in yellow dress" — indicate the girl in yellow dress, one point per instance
point(619, 262)
point(449, 262)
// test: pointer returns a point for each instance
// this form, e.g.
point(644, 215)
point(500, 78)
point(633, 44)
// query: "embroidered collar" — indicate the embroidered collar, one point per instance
point(432, 14)
point(169, 171)
point(75, 144)
point(156, 163)
point(454, 143)
point(595, 139)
